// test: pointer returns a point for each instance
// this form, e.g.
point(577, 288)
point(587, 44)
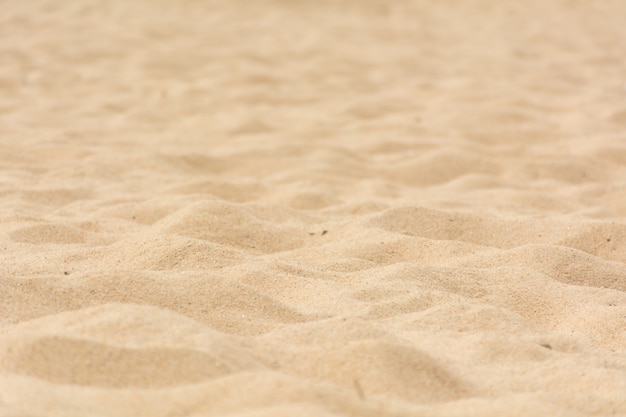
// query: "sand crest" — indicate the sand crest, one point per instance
point(298, 208)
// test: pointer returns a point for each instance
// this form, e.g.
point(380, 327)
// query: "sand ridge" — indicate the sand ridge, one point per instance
point(272, 208)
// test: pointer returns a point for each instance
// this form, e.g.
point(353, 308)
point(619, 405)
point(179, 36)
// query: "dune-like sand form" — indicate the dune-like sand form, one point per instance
point(312, 208)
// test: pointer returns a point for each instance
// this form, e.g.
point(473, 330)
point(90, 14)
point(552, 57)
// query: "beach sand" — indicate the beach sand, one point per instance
point(312, 208)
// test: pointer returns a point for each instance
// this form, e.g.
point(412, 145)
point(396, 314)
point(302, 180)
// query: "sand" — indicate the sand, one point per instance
point(312, 208)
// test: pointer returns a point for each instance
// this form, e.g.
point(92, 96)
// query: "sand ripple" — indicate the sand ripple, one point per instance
point(312, 208)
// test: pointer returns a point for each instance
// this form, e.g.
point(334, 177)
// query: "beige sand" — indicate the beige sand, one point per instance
point(312, 208)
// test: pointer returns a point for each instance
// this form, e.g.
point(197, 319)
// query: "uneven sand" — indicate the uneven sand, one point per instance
point(312, 208)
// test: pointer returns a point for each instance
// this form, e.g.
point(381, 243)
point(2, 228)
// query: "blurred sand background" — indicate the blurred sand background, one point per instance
point(312, 208)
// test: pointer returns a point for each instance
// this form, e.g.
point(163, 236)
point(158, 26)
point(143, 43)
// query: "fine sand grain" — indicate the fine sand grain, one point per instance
point(312, 208)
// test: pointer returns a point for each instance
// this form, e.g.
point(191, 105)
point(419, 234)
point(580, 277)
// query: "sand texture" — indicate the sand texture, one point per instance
point(312, 208)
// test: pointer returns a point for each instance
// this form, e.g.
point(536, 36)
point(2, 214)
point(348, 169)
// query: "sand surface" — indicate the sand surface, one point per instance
point(312, 208)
